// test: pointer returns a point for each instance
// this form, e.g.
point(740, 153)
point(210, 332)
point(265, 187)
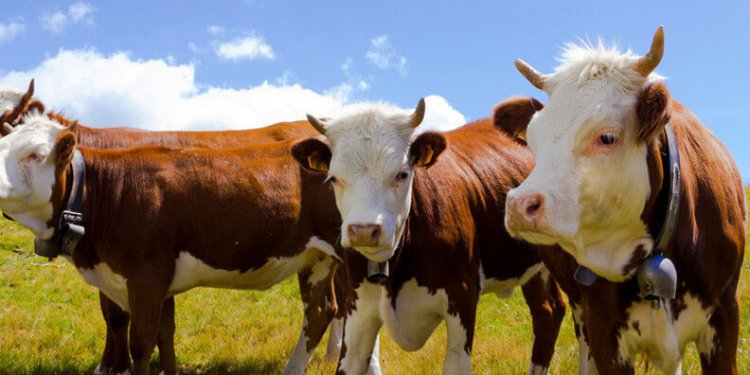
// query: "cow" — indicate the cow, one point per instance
point(641, 197)
point(115, 357)
point(431, 206)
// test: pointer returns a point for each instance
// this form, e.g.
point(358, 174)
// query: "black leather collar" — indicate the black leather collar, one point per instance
point(69, 230)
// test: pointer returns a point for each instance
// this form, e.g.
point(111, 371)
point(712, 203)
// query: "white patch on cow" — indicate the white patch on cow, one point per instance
point(535, 369)
point(191, 272)
point(300, 356)
point(504, 288)
point(374, 368)
point(586, 365)
point(457, 359)
point(593, 194)
point(370, 145)
point(662, 339)
point(112, 284)
point(361, 330)
point(98, 370)
point(693, 325)
point(316, 243)
point(9, 99)
point(335, 338)
point(416, 315)
point(320, 270)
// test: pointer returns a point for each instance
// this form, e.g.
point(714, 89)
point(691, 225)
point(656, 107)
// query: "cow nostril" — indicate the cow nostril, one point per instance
point(376, 233)
point(533, 208)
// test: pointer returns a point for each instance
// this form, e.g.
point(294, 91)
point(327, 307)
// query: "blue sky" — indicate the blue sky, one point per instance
point(187, 59)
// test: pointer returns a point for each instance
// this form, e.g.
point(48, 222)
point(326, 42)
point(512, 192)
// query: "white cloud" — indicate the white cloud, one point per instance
point(117, 90)
point(56, 22)
point(346, 67)
point(440, 115)
point(249, 47)
point(215, 30)
point(10, 31)
point(384, 56)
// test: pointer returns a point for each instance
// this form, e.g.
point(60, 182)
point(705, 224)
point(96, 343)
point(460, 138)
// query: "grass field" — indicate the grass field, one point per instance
point(50, 324)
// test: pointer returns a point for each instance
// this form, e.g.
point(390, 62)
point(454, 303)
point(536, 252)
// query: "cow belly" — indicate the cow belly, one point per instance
point(504, 288)
point(191, 272)
point(112, 284)
point(416, 314)
point(663, 340)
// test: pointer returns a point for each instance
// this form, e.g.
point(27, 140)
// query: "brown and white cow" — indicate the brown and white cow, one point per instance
point(438, 223)
point(243, 260)
point(601, 190)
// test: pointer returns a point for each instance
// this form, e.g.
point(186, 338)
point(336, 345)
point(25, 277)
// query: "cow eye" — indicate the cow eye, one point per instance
point(608, 139)
point(401, 176)
point(34, 156)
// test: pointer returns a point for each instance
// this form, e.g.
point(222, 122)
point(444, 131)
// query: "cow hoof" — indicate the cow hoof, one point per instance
point(100, 370)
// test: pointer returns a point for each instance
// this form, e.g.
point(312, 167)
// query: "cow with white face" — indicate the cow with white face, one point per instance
point(431, 211)
point(602, 189)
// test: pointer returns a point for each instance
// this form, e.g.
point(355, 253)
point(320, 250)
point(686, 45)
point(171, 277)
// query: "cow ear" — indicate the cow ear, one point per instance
point(652, 109)
point(426, 148)
point(312, 154)
point(513, 115)
point(64, 146)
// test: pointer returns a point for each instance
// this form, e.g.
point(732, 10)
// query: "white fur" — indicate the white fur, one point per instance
point(300, 356)
point(112, 284)
point(335, 339)
point(361, 330)
point(9, 99)
point(662, 339)
point(593, 199)
point(370, 145)
point(504, 288)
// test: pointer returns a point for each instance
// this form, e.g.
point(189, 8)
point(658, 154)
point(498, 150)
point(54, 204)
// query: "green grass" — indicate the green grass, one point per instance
point(50, 323)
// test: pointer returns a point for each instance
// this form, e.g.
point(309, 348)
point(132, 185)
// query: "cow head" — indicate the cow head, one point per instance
point(591, 179)
point(369, 155)
point(32, 159)
point(16, 104)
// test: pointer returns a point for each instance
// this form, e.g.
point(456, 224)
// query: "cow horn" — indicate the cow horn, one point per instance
point(30, 91)
point(7, 128)
point(317, 124)
point(531, 74)
point(418, 115)
point(646, 64)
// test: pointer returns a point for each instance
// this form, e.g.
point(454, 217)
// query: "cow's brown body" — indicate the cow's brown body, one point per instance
point(161, 203)
point(455, 248)
point(707, 248)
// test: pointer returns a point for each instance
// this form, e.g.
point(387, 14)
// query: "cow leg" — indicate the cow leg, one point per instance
point(167, 357)
point(603, 343)
point(547, 308)
point(146, 299)
point(717, 344)
point(116, 358)
point(335, 338)
point(361, 327)
point(319, 304)
point(460, 329)
point(586, 365)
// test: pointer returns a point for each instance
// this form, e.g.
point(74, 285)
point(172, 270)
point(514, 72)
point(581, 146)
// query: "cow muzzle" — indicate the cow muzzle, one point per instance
point(364, 234)
point(526, 213)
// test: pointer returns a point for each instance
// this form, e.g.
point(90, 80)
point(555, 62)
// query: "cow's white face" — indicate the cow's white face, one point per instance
point(591, 179)
point(28, 164)
point(370, 162)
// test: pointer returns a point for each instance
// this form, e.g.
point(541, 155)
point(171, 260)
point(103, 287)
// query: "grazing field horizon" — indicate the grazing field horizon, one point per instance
point(50, 323)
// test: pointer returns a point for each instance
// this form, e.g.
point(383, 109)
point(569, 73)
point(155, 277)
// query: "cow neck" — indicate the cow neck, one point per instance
point(671, 186)
point(69, 228)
